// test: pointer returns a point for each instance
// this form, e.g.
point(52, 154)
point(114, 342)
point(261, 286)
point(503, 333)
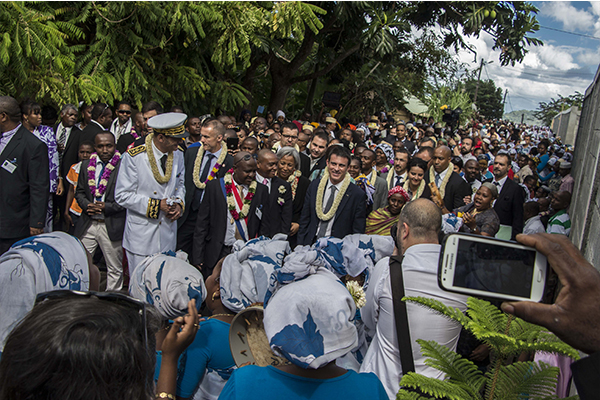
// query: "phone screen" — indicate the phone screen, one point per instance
point(494, 268)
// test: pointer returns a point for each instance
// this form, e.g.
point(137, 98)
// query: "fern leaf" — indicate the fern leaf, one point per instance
point(440, 308)
point(525, 380)
point(435, 387)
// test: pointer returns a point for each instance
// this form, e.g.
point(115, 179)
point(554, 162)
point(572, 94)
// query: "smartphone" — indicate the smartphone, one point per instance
point(232, 143)
point(487, 267)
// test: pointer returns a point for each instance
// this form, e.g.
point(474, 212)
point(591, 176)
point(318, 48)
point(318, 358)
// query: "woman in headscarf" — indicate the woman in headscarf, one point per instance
point(479, 216)
point(288, 169)
point(385, 155)
point(415, 185)
point(308, 319)
point(280, 117)
point(32, 121)
point(379, 222)
point(51, 261)
point(169, 283)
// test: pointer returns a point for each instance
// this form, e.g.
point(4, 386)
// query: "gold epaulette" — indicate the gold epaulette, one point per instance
point(134, 151)
point(181, 148)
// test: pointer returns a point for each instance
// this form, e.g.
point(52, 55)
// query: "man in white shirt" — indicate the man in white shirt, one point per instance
point(121, 124)
point(531, 215)
point(417, 240)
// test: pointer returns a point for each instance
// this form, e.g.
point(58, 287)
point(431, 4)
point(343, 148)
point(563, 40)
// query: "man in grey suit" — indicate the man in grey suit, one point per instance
point(24, 176)
point(368, 159)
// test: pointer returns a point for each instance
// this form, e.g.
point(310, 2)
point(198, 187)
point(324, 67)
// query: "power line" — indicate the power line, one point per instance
point(571, 33)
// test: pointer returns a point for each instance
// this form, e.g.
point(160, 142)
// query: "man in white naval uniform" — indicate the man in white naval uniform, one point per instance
point(151, 187)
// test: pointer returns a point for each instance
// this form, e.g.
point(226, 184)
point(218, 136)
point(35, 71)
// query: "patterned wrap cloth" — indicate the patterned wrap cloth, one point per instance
point(168, 282)
point(42, 263)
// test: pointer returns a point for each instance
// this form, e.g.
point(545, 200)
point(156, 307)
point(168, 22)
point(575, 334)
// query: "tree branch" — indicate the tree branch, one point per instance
point(318, 74)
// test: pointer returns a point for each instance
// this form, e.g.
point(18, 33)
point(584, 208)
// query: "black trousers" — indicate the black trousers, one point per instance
point(6, 243)
point(185, 233)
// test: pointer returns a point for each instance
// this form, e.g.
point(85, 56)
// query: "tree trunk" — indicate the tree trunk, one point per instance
point(308, 106)
point(281, 81)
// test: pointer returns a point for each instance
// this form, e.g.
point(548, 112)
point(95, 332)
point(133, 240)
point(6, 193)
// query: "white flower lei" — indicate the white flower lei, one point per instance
point(293, 180)
point(154, 167)
point(420, 189)
point(198, 164)
point(338, 196)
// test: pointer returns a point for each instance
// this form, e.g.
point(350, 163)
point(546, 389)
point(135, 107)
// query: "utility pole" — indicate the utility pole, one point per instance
point(504, 101)
point(478, 80)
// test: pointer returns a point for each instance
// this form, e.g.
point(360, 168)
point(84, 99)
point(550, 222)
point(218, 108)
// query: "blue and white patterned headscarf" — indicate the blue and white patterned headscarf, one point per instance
point(245, 273)
point(168, 283)
point(42, 263)
point(309, 321)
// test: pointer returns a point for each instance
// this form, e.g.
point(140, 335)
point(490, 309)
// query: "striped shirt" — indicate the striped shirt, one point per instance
point(560, 223)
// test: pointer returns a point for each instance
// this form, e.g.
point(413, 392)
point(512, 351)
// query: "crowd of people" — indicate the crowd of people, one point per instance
point(209, 214)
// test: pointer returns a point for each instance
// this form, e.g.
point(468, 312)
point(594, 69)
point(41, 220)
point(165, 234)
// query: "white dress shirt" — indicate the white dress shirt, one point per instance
point(500, 184)
point(118, 130)
point(419, 268)
point(157, 156)
point(264, 181)
point(67, 132)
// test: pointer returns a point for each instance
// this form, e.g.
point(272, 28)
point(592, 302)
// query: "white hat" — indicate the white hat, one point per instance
point(169, 124)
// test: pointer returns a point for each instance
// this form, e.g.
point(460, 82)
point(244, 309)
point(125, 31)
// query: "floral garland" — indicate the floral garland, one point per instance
point(338, 196)
point(162, 179)
point(385, 169)
point(91, 170)
point(442, 187)
point(281, 191)
point(293, 181)
point(420, 189)
point(231, 203)
point(213, 172)
point(134, 133)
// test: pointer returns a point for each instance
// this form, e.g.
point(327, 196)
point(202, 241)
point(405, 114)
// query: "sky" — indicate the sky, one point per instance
point(566, 63)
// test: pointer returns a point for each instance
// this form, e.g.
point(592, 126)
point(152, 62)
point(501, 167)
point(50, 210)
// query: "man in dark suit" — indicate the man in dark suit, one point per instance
point(318, 146)
point(217, 228)
point(350, 215)
point(212, 151)
point(101, 120)
point(102, 220)
point(68, 138)
point(24, 178)
point(280, 193)
point(452, 187)
point(511, 196)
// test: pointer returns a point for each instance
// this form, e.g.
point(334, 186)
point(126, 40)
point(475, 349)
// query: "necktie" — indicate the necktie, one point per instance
point(497, 184)
point(62, 137)
point(399, 180)
point(163, 163)
point(206, 170)
point(99, 176)
point(437, 180)
point(323, 227)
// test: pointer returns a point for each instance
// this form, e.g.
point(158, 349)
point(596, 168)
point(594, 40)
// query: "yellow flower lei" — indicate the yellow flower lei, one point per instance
point(338, 197)
point(442, 188)
point(154, 167)
point(420, 189)
point(198, 164)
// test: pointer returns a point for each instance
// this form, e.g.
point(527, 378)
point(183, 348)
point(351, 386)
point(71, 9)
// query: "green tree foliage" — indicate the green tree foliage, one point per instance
point(446, 97)
point(507, 337)
point(204, 55)
point(489, 97)
point(546, 111)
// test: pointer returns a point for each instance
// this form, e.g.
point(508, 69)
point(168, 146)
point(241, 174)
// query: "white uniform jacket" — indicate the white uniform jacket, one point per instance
point(147, 229)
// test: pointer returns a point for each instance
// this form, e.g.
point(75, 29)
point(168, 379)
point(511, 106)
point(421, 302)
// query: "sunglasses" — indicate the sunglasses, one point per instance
point(126, 112)
point(117, 298)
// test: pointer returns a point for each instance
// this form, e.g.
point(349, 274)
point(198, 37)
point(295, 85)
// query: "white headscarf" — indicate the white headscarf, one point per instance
point(168, 283)
point(245, 273)
point(279, 114)
point(42, 263)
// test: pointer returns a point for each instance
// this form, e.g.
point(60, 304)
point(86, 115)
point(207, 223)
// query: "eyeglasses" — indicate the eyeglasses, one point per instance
point(290, 137)
point(117, 298)
point(126, 112)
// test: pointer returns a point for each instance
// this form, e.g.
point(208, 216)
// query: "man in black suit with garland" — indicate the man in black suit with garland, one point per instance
point(205, 161)
point(451, 186)
point(234, 207)
point(511, 196)
point(24, 175)
point(333, 206)
point(280, 193)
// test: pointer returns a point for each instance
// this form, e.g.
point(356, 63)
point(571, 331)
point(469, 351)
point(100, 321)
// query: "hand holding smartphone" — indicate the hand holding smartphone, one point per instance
point(487, 267)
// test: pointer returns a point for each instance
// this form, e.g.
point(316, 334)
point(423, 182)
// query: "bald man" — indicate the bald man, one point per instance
point(452, 187)
point(280, 193)
point(217, 228)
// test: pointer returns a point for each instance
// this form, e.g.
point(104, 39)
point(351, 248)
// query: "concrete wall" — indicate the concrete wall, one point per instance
point(585, 206)
point(566, 124)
